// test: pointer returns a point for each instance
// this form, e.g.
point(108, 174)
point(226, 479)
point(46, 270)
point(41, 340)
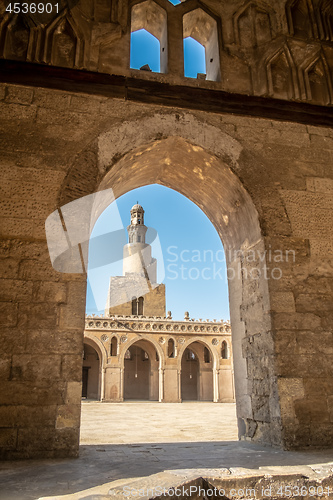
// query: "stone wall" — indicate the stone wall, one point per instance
point(278, 48)
point(265, 185)
point(283, 344)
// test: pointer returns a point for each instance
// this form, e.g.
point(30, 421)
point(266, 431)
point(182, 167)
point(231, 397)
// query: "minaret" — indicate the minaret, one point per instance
point(137, 253)
point(136, 292)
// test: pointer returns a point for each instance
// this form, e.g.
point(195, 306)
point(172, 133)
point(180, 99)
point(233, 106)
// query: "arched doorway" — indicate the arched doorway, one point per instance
point(90, 372)
point(197, 383)
point(141, 372)
point(189, 376)
point(199, 160)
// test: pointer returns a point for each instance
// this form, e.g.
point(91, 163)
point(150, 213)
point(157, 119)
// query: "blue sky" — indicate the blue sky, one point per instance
point(145, 49)
point(188, 249)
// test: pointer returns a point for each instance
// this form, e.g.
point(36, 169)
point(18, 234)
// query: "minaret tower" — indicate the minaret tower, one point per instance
point(137, 253)
point(137, 291)
point(137, 229)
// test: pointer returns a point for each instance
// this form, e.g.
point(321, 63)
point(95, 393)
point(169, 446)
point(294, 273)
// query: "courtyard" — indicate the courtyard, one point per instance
point(151, 422)
point(124, 441)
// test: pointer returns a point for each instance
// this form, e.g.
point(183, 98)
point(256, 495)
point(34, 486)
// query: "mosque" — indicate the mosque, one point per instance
point(138, 352)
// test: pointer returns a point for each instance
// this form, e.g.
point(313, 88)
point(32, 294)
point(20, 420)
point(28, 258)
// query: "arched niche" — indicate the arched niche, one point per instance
point(15, 37)
point(281, 75)
point(64, 43)
point(301, 19)
point(318, 84)
point(252, 25)
point(203, 28)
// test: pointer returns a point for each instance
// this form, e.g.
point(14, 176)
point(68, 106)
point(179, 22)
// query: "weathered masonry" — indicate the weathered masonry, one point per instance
point(251, 145)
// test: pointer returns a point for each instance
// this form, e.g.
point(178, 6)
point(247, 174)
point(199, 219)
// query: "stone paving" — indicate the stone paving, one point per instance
point(130, 440)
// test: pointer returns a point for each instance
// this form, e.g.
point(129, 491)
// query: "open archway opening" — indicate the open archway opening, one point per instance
point(90, 372)
point(201, 167)
point(197, 380)
point(141, 372)
point(149, 46)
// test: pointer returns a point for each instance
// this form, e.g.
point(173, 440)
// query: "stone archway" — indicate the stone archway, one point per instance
point(199, 163)
point(94, 359)
point(141, 371)
point(201, 369)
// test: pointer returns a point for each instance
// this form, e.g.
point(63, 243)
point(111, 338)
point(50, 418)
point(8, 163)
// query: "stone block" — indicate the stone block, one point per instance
point(68, 416)
point(8, 415)
point(73, 393)
point(260, 408)
point(321, 247)
point(296, 321)
point(42, 393)
point(315, 387)
point(49, 291)
point(8, 313)
point(314, 303)
point(30, 416)
point(321, 142)
point(294, 366)
point(314, 343)
point(10, 227)
point(51, 99)
point(12, 340)
point(319, 184)
point(17, 112)
point(15, 290)
point(282, 302)
point(37, 270)
point(321, 435)
point(20, 95)
point(8, 438)
point(9, 268)
point(5, 365)
point(54, 341)
point(287, 409)
point(72, 367)
point(82, 104)
point(314, 410)
point(43, 315)
point(291, 388)
point(28, 367)
point(285, 341)
point(39, 210)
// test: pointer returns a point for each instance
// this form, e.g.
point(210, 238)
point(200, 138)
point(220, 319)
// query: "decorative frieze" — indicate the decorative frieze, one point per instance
point(154, 324)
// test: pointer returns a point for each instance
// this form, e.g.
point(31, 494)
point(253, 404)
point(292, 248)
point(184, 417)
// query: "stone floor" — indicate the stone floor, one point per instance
point(130, 440)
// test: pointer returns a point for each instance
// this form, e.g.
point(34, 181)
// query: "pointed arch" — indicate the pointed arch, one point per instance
point(225, 353)
point(114, 346)
point(253, 24)
point(282, 75)
point(301, 19)
point(17, 38)
point(324, 13)
point(150, 16)
point(317, 80)
point(64, 42)
point(204, 28)
point(171, 348)
point(213, 353)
